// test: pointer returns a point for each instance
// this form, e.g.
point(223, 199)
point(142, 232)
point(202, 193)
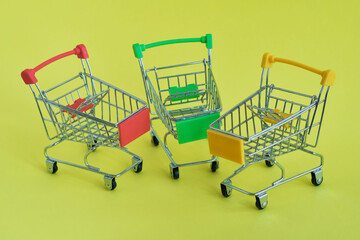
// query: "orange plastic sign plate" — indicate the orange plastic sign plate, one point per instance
point(226, 146)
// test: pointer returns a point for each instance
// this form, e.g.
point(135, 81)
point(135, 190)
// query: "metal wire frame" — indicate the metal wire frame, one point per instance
point(245, 121)
point(209, 101)
point(160, 104)
point(96, 127)
point(114, 107)
point(264, 141)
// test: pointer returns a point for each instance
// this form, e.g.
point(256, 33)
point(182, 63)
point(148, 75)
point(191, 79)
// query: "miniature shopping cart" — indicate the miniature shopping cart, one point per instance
point(184, 97)
point(270, 123)
point(88, 110)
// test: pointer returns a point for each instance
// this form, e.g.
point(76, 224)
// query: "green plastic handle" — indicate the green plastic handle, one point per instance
point(140, 48)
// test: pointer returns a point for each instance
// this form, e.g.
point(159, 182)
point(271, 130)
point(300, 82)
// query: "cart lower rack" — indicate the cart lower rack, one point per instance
point(268, 124)
point(88, 110)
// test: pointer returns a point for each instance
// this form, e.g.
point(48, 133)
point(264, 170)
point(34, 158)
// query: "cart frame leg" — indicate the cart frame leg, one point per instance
point(173, 165)
point(316, 171)
point(136, 162)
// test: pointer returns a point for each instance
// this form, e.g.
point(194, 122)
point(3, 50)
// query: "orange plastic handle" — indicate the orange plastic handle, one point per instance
point(328, 76)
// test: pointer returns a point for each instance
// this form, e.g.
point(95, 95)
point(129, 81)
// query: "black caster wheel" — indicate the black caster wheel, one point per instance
point(51, 166)
point(138, 168)
point(261, 202)
point(154, 140)
point(110, 183)
point(214, 166)
point(225, 190)
point(55, 168)
point(113, 184)
point(269, 163)
point(174, 172)
point(316, 178)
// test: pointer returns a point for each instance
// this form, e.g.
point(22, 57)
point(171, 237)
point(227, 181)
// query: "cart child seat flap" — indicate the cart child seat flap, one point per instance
point(134, 127)
point(226, 146)
point(77, 103)
point(182, 93)
point(194, 128)
point(270, 118)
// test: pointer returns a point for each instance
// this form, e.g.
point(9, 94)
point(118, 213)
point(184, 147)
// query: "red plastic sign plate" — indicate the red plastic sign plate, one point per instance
point(134, 127)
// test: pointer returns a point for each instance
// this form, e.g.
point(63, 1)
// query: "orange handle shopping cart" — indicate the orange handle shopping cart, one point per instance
point(271, 122)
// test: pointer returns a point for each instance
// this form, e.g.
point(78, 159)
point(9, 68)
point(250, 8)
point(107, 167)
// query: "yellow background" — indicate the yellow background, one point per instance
point(74, 203)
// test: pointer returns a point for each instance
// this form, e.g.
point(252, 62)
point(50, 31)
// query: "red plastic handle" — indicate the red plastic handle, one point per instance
point(28, 75)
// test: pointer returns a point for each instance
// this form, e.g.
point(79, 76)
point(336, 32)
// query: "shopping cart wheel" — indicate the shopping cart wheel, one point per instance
point(110, 182)
point(261, 201)
point(214, 166)
point(174, 171)
point(269, 163)
point(154, 140)
point(51, 166)
point(225, 190)
point(317, 177)
point(138, 168)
